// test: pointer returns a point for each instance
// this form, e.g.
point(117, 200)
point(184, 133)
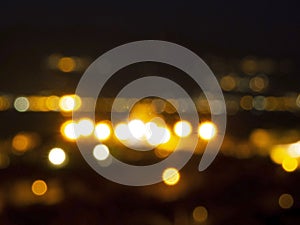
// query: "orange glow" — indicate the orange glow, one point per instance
point(207, 130)
point(39, 187)
point(286, 201)
point(66, 64)
point(69, 103)
point(289, 164)
point(67, 129)
point(171, 176)
point(228, 83)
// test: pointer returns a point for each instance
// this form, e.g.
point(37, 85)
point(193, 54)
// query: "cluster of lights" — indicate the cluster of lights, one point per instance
point(288, 156)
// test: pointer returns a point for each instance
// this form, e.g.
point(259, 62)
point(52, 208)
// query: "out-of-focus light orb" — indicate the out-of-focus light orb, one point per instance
point(21, 142)
point(101, 152)
point(137, 128)
point(258, 83)
point(85, 127)
point(21, 104)
point(69, 103)
point(68, 130)
point(39, 187)
point(52, 103)
point(294, 150)
point(228, 83)
point(246, 102)
point(157, 135)
point(102, 131)
point(66, 64)
point(286, 201)
point(289, 164)
point(122, 131)
point(183, 128)
point(200, 214)
point(207, 130)
point(278, 154)
point(171, 176)
point(57, 156)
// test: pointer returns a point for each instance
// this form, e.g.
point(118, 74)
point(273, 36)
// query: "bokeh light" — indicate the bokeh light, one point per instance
point(228, 83)
point(286, 201)
point(69, 103)
point(85, 127)
point(157, 135)
point(21, 104)
point(200, 214)
point(39, 187)
point(102, 131)
point(101, 152)
point(21, 142)
point(68, 130)
point(207, 130)
point(183, 128)
point(137, 129)
point(289, 164)
point(171, 176)
point(66, 64)
point(57, 156)
point(122, 131)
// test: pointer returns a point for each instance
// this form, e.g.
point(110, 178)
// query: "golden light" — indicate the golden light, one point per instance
point(157, 135)
point(137, 128)
point(66, 64)
point(69, 103)
point(200, 214)
point(289, 164)
point(294, 150)
point(67, 129)
point(101, 152)
point(278, 154)
point(171, 176)
point(52, 103)
point(39, 187)
point(183, 128)
point(261, 138)
point(258, 84)
point(102, 131)
point(286, 201)
point(21, 104)
point(4, 103)
point(246, 102)
point(21, 142)
point(85, 127)
point(122, 131)
point(207, 130)
point(57, 156)
point(228, 83)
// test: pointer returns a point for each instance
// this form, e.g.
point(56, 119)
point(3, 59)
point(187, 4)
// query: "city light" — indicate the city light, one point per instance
point(207, 130)
point(286, 201)
point(21, 104)
point(200, 214)
point(102, 131)
point(183, 128)
point(69, 103)
point(171, 176)
point(85, 127)
point(101, 152)
point(57, 156)
point(68, 130)
point(39, 187)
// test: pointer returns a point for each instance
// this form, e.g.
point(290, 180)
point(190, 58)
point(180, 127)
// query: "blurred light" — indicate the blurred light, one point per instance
point(66, 64)
point(68, 103)
point(57, 156)
point(289, 164)
point(182, 128)
point(246, 102)
point(249, 65)
point(261, 138)
point(278, 154)
point(298, 101)
point(228, 83)
point(101, 152)
point(200, 214)
point(159, 105)
point(67, 129)
point(137, 128)
point(102, 131)
point(52, 103)
point(259, 103)
point(21, 142)
point(207, 130)
point(286, 201)
point(85, 127)
point(39, 187)
point(21, 104)
point(171, 176)
point(258, 83)
point(4, 103)
point(122, 131)
point(4, 161)
point(294, 150)
point(157, 135)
